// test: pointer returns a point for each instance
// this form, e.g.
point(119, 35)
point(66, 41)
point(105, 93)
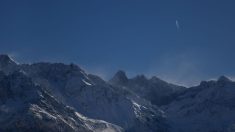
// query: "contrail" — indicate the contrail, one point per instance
point(177, 24)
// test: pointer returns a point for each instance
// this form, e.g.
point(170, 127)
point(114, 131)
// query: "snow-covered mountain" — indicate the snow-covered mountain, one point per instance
point(59, 97)
point(208, 107)
point(155, 90)
point(26, 106)
point(98, 105)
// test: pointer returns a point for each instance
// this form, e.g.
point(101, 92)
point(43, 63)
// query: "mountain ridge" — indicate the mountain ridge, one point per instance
point(63, 97)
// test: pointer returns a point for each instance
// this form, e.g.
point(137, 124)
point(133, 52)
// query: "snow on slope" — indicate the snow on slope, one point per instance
point(92, 97)
point(207, 107)
point(59, 97)
point(25, 106)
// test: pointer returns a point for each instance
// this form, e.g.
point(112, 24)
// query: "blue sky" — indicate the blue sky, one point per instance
point(181, 41)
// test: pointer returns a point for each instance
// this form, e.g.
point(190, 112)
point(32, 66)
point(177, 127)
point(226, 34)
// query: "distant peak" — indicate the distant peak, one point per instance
point(6, 59)
point(121, 74)
point(223, 79)
point(119, 77)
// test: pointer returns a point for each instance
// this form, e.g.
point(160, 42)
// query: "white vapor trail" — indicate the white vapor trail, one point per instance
point(177, 24)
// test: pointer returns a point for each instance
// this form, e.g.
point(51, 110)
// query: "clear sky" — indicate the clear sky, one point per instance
point(180, 41)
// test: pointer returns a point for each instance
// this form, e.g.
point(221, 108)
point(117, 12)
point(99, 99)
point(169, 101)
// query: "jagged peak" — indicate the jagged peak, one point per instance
point(7, 64)
point(5, 59)
point(5, 56)
point(223, 79)
point(119, 77)
point(121, 73)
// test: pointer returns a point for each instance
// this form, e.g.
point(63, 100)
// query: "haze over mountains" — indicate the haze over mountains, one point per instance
point(58, 97)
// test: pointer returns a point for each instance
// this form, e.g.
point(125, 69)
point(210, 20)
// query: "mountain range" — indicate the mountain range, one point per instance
point(57, 97)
